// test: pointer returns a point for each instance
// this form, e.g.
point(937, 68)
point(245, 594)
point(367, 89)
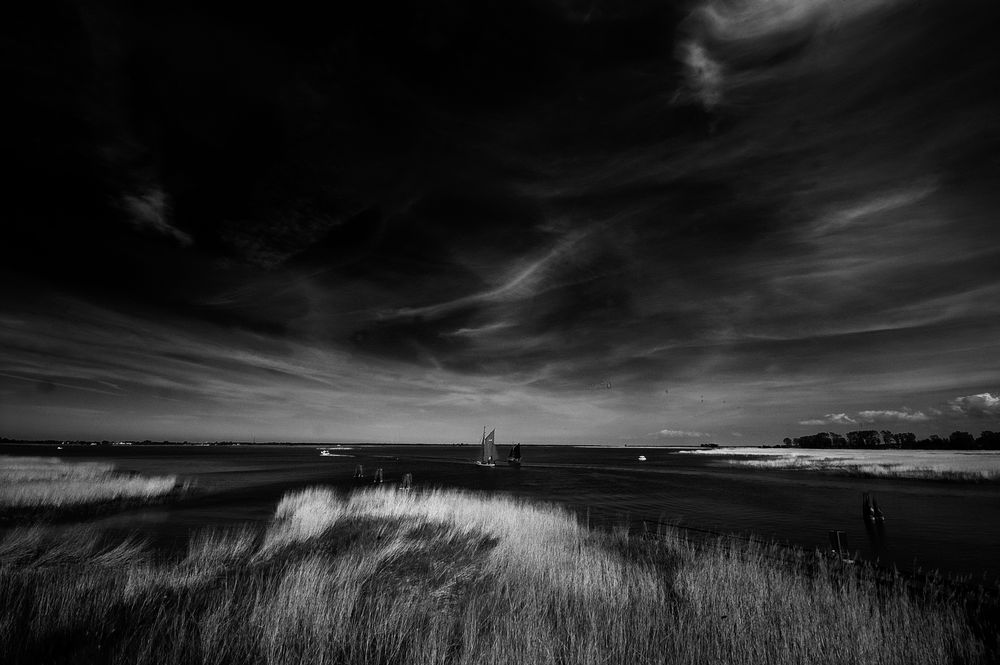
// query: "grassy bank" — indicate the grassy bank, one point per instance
point(883, 470)
point(955, 466)
point(444, 577)
point(35, 487)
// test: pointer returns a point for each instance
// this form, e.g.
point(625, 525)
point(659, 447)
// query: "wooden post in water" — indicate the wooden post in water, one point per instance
point(876, 511)
point(867, 512)
point(838, 545)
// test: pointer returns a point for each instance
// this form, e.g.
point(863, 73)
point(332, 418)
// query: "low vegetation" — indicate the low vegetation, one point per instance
point(35, 486)
point(386, 576)
point(874, 469)
point(963, 466)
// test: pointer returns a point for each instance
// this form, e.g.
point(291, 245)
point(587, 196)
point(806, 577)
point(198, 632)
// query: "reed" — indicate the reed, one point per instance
point(384, 576)
point(33, 484)
point(955, 466)
point(874, 470)
point(25, 469)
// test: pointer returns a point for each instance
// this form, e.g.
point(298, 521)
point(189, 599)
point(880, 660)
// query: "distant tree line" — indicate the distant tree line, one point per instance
point(870, 438)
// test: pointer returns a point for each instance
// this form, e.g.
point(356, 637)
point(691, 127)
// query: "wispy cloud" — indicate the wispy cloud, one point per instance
point(681, 434)
point(193, 380)
point(150, 209)
point(47, 384)
point(751, 33)
point(893, 416)
point(704, 75)
point(831, 419)
point(850, 214)
point(478, 331)
point(761, 19)
point(523, 283)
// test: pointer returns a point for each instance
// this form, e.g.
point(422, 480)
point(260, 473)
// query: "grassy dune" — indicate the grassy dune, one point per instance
point(30, 486)
point(446, 577)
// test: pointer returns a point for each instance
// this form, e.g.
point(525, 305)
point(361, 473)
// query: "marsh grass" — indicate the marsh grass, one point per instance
point(954, 466)
point(39, 487)
point(384, 576)
point(874, 470)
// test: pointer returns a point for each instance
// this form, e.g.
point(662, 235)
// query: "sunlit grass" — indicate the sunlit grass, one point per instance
point(37, 482)
point(26, 469)
point(384, 576)
point(884, 470)
point(925, 465)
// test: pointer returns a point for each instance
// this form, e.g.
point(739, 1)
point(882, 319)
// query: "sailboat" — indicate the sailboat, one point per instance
point(488, 450)
point(514, 457)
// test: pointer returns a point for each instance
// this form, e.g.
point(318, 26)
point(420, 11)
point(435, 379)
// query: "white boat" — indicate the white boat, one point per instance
point(642, 458)
point(488, 450)
point(325, 453)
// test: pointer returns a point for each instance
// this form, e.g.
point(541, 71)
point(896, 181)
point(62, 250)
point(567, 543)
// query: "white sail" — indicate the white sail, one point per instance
point(488, 454)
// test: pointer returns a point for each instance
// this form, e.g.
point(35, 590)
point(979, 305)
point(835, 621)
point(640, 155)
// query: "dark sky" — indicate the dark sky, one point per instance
point(728, 220)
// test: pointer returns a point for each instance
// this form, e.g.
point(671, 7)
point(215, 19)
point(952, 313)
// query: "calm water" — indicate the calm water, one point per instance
point(949, 526)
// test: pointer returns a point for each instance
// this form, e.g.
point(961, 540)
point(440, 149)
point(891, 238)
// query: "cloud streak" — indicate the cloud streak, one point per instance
point(893, 416)
point(831, 419)
point(730, 44)
point(149, 209)
point(681, 434)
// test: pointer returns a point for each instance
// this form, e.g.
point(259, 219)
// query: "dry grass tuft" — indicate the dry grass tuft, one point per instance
point(37, 482)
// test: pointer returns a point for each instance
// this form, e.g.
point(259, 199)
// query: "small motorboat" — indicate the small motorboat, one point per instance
point(642, 458)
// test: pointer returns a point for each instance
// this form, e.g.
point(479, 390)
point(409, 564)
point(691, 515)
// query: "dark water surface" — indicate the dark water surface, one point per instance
point(954, 527)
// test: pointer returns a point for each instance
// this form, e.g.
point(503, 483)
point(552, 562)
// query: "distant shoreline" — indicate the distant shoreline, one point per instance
point(330, 444)
point(306, 444)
